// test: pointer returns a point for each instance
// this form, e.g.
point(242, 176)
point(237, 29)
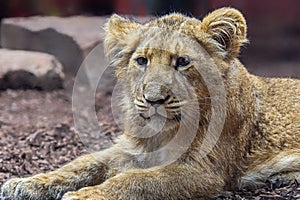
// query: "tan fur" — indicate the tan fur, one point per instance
point(260, 139)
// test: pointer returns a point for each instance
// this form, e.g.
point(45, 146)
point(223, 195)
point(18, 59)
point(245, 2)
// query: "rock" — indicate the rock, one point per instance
point(70, 39)
point(28, 70)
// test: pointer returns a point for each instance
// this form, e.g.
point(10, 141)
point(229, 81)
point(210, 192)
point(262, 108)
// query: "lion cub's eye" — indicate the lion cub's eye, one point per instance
point(182, 61)
point(141, 61)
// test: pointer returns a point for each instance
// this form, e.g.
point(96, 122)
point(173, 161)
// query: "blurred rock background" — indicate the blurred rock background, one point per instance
point(274, 27)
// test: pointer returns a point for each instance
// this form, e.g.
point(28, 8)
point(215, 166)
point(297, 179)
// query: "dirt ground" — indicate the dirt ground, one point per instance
point(38, 134)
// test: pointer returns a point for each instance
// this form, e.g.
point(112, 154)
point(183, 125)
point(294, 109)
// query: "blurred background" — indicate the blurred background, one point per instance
point(274, 26)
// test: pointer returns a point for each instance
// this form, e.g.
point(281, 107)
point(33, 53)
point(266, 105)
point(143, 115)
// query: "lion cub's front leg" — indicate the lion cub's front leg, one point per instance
point(85, 171)
point(170, 182)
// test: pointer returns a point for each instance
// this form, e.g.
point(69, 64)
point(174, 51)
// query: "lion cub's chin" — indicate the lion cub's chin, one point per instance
point(157, 123)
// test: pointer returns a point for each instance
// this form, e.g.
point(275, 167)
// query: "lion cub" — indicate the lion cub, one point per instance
point(196, 122)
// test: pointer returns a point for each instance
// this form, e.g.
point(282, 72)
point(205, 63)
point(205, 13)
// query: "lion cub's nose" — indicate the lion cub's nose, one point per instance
point(156, 94)
point(158, 101)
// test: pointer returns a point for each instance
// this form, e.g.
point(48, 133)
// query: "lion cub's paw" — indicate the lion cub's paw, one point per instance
point(8, 189)
point(70, 196)
point(79, 195)
point(30, 188)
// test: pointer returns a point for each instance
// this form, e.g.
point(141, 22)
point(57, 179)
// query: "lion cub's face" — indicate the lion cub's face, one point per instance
point(160, 63)
point(162, 76)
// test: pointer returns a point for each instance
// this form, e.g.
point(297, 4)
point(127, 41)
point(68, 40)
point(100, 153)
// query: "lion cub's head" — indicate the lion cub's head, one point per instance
point(162, 64)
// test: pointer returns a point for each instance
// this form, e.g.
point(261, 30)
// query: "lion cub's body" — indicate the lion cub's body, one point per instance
point(168, 67)
point(275, 139)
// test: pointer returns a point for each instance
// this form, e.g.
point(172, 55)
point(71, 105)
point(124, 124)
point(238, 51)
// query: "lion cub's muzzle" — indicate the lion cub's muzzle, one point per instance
point(158, 100)
point(155, 93)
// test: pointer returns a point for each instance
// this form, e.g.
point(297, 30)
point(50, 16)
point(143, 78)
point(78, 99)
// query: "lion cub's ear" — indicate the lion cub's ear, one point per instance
point(228, 28)
point(116, 31)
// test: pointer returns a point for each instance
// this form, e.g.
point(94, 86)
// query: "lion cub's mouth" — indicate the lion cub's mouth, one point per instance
point(171, 109)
